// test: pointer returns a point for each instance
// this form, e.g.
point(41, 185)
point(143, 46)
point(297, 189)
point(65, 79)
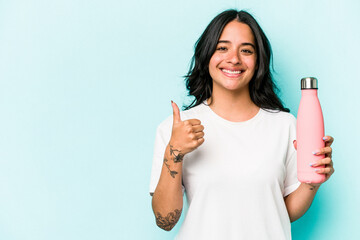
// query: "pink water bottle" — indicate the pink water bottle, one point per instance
point(309, 131)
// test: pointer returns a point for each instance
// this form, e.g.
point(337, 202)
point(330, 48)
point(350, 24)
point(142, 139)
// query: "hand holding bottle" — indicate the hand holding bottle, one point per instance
point(326, 163)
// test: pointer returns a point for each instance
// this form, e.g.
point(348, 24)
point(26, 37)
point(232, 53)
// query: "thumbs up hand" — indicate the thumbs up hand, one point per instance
point(186, 135)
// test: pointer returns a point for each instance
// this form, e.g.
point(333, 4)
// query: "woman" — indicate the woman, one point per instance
point(241, 181)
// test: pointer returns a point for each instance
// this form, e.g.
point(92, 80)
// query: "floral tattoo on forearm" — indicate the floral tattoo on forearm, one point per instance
point(168, 222)
point(172, 173)
point(178, 156)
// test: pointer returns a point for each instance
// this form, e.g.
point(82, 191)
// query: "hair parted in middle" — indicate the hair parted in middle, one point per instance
point(261, 87)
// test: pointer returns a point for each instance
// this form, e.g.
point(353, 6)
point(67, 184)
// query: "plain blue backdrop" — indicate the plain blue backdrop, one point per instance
point(84, 84)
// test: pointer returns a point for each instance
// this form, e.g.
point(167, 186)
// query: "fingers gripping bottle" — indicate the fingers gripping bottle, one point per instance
point(310, 132)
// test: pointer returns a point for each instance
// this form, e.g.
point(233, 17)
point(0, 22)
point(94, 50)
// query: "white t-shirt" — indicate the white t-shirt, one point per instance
point(236, 181)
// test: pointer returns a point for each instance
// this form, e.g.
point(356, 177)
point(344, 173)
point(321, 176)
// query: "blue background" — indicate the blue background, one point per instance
point(83, 85)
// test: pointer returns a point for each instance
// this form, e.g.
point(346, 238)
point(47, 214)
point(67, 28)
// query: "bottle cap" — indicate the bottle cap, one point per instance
point(309, 83)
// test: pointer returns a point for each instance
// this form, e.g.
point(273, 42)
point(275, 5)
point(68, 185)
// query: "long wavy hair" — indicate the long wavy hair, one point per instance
point(261, 87)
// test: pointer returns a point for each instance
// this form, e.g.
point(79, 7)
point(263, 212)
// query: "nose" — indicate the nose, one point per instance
point(234, 57)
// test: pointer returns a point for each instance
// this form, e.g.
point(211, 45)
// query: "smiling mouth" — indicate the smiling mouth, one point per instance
point(232, 73)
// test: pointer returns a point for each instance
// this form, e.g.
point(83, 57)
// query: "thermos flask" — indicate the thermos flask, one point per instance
point(309, 131)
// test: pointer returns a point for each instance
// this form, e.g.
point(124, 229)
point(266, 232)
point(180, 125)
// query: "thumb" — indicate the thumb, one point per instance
point(176, 113)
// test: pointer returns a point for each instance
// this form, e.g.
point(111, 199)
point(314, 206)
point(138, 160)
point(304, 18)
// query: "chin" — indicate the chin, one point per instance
point(234, 87)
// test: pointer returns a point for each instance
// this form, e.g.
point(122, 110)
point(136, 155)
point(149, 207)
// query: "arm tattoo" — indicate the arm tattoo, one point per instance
point(312, 187)
point(172, 173)
point(178, 156)
point(168, 222)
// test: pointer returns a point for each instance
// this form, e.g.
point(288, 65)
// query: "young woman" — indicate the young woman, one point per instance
point(233, 151)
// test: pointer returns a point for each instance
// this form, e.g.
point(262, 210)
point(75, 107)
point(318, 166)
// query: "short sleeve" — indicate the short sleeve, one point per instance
point(162, 137)
point(291, 181)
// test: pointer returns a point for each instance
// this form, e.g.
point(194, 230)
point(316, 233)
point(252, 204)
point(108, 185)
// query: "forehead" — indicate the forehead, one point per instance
point(236, 31)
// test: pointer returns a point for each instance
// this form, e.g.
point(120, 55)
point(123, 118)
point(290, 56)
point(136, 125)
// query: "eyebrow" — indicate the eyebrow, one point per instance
point(243, 44)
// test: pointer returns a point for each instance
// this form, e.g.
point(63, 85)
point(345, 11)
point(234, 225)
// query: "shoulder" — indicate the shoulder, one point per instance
point(194, 112)
point(279, 116)
point(282, 123)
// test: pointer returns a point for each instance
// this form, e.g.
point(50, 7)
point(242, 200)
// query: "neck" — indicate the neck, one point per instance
point(233, 106)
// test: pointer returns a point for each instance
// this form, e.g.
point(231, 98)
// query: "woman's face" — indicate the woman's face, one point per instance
point(233, 63)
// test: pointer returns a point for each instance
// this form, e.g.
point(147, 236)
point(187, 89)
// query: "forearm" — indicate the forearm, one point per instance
point(167, 201)
point(299, 201)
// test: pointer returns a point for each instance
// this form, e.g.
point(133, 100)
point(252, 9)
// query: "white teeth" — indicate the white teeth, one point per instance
point(232, 72)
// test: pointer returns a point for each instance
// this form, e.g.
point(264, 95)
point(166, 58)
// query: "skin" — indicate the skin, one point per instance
point(231, 100)
point(167, 199)
point(299, 201)
point(235, 51)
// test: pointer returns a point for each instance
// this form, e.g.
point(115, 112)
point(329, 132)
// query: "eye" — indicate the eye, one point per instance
point(247, 51)
point(221, 48)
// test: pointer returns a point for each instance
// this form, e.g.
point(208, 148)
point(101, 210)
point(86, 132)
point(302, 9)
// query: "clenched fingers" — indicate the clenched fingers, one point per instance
point(324, 161)
point(327, 170)
point(198, 128)
point(201, 141)
point(323, 151)
point(199, 135)
point(193, 122)
point(326, 164)
point(328, 140)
